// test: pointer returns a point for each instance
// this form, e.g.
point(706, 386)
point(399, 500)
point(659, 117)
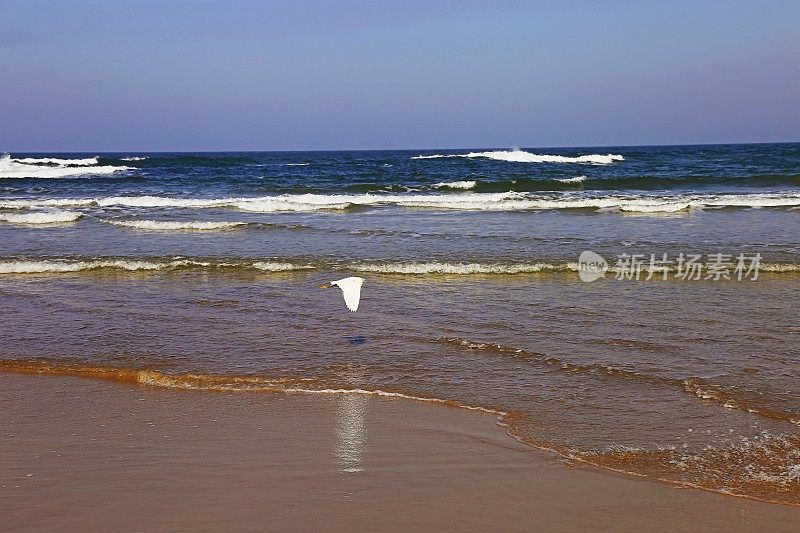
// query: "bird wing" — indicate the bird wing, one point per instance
point(351, 290)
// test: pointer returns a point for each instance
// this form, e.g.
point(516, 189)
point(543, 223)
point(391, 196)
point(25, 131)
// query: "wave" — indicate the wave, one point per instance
point(462, 268)
point(702, 388)
point(762, 467)
point(50, 168)
point(55, 266)
point(632, 183)
point(59, 265)
point(289, 264)
point(510, 201)
point(520, 156)
point(585, 183)
point(133, 158)
point(576, 179)
point(174, 225)
point(281, 266)
point(55, 216)
point(212, 382)
point(89, 161)
point(456, 185)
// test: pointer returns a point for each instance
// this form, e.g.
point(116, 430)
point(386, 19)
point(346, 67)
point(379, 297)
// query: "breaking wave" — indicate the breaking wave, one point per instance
point(89, 161)
point(54, 216)
point(52, 167)
point(520, 156)
point(289, 264)
point(459, 268)
point(174, 225)
point(58, 265)
point(508, 201)
point(576, 179)
point(133, 158)
point(467, 184)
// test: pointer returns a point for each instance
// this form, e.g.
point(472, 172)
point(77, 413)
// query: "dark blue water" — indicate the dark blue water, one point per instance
point(713, 168)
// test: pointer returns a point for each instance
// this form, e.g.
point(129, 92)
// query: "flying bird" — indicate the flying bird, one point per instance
point(351, 290)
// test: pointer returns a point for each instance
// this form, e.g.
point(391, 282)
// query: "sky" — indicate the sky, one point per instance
point(140, 75)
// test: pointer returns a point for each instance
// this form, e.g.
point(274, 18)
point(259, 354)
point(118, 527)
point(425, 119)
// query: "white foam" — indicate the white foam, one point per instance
point(279, 266)
point(55, 161)
point(643, 207)
point(175, 225)
point(54, 216)
point(459, 268)
point(779, 267)
point(520, 156)
point(158, 201)
point(300, 202)
point(43, 266)
point(297, 164)
point(508, 201)
point(133, 158)
point(48, 202)
point(576, 179)
point(388, 394)
point(416, 268)
point(456, 184)
point(754, 200)
point(11, 168)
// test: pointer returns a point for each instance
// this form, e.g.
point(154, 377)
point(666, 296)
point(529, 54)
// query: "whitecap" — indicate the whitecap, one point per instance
point(507, 201)
point(89, 161)
point(576, 179)
point(11, 168)
point(521, 156)
point(175, 225)
point(466, 184)
point(54, 216)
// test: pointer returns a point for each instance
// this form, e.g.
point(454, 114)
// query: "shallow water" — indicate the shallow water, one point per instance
point(202, 271)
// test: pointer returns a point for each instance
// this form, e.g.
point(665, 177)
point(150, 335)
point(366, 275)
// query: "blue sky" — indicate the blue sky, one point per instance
point(111, 75)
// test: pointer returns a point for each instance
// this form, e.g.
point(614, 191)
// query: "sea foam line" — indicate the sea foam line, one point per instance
point(175, 225)
point(277, 265)
point(521, 156)
point(506, 201)
point(54, 216)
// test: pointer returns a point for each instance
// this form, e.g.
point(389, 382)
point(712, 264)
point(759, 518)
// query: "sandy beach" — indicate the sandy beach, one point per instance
point(83, 454)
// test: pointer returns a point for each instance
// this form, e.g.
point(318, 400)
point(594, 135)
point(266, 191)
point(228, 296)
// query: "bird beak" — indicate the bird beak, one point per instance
point(325, 286)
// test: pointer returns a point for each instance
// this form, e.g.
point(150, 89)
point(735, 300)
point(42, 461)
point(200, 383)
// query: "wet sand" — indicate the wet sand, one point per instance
point(80, 454)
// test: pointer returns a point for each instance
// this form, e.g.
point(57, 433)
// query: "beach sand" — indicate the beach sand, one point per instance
point(80, 454)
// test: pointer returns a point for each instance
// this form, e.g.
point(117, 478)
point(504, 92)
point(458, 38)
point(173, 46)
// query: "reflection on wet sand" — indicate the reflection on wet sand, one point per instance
point(351, 432)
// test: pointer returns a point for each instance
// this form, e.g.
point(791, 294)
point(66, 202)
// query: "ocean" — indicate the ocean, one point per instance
point(674, 355)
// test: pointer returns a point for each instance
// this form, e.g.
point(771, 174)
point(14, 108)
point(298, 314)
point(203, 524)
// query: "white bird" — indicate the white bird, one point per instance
point(351, 290)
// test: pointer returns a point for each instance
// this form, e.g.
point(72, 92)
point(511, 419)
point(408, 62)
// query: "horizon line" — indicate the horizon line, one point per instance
point(553, 147)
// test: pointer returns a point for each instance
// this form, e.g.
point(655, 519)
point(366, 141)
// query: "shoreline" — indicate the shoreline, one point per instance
point(79, 453)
